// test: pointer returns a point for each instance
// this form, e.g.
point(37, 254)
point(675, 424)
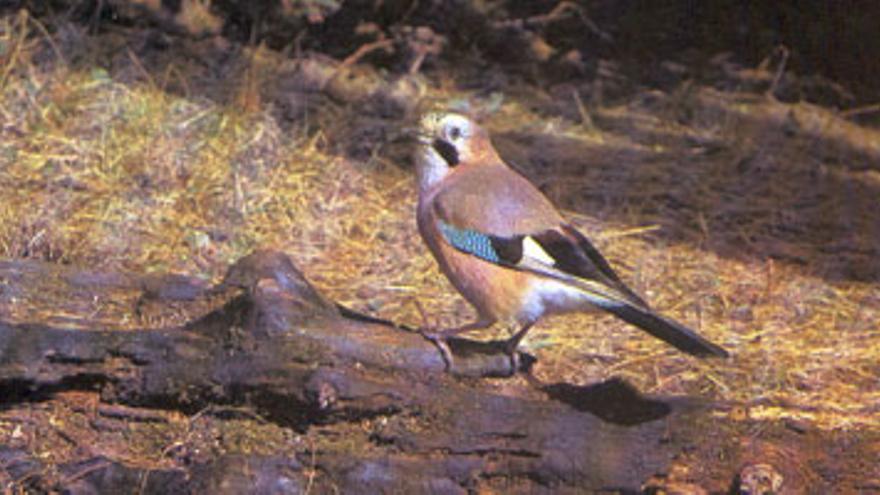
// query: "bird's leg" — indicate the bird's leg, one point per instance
point(513, 342)
point(439, 338)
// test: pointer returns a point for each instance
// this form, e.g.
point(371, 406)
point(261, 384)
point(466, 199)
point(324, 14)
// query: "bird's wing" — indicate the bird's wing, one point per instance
point(561, 253)
point(497, 215)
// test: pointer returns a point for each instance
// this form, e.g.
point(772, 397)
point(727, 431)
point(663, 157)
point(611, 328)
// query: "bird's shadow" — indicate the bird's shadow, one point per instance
point(614, 401)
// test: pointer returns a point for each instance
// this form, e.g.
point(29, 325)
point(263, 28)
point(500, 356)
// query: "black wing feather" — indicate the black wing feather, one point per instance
point(590, 251)
point(671, 332)
point(573, 253)
point(509, 249)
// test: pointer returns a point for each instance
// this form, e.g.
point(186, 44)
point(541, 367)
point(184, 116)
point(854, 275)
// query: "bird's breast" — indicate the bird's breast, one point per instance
point(495, 291)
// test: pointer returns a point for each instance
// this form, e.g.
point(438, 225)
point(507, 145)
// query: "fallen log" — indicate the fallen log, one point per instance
point(277, 345)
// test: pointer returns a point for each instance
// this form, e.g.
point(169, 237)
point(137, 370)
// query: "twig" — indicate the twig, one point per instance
point(13, 57)
point(409, 11)
point(313, 470)
point(586, 119)
point(49, 39)
point(422, 313)
point(140, 67)
point(143, 482)
point(417, 63)
point(770, 279)
point(131, 413)
point(630, 232)
point(215, 410)
point(852, 112)
point(361, 52)
point(297, 44)
point(559, 12)
point(64, 436)
point(172, 70)
point(779, 71)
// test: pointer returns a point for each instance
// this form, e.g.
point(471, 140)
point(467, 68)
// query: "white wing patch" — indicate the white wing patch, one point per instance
point(554, 296)
point(531, 249)
point(597, 293)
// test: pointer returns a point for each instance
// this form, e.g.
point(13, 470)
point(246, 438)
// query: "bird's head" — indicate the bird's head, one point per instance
point(446, 141)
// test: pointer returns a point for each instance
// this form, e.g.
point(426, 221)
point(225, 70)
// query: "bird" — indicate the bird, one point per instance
point(506, 248)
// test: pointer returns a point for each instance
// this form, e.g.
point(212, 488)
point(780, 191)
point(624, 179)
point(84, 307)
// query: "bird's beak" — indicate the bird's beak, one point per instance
point(413, 134)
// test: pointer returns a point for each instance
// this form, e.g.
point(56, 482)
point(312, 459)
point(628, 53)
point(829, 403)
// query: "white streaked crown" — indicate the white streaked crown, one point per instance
point(454, 129)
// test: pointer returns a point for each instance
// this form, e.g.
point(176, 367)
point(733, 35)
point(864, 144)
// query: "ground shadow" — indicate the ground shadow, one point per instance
point(614, 401)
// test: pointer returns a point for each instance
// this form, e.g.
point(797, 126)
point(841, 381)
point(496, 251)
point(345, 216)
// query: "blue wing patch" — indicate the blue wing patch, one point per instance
point(470, 241)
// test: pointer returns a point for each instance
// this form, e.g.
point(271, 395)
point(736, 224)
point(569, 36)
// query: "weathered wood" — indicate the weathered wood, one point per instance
point(22, 473)
point(278, 345)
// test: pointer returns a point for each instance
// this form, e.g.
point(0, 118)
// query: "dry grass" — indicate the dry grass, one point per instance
point(737, 215)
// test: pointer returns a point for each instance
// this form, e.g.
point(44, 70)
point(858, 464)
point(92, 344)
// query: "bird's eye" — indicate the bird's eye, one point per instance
point(454, 133)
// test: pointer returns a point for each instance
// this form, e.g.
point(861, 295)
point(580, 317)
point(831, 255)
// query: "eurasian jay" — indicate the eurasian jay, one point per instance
point(507, 250)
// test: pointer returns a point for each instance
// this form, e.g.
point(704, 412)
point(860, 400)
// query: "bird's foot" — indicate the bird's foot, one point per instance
point(439, 340)
point(509, 348)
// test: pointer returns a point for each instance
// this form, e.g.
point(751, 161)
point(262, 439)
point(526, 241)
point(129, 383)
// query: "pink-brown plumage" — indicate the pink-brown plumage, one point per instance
point(494, 291)
point(506, 249)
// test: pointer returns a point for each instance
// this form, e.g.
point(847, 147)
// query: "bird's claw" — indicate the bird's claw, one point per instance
point(439, 340)
point(509, 348)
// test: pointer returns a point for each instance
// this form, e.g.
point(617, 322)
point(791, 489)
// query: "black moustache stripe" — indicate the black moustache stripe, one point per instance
point(447, 151)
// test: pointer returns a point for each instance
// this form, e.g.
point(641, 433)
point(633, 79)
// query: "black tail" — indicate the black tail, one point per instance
point(675, 334)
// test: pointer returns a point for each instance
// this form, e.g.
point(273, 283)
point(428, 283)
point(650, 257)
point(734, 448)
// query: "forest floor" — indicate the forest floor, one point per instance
point(753, 220)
